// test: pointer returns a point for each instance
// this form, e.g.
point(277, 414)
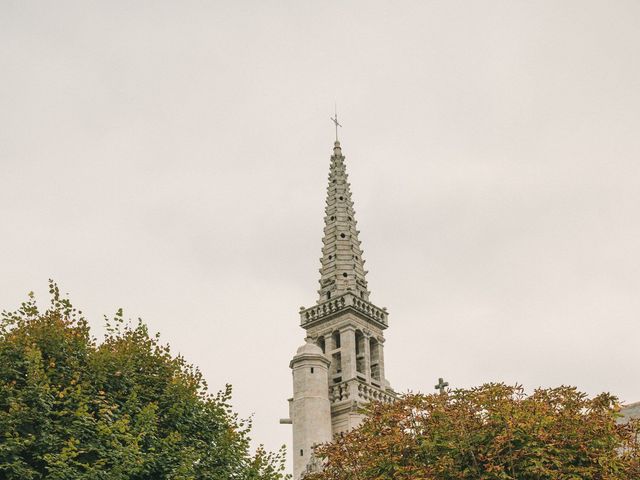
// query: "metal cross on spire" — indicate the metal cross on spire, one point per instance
point(335, 120)
point(441, 385)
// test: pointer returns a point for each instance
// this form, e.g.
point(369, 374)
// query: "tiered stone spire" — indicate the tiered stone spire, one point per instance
point(341, 367)
point(342, 267)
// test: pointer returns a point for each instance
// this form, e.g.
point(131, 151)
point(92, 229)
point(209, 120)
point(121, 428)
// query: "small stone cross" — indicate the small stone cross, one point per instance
point(441, 385)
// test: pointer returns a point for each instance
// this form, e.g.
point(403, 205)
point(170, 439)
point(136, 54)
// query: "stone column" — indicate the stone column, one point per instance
point(383, 378)
point(328, 345)
point(367, 356)
point(348, 351)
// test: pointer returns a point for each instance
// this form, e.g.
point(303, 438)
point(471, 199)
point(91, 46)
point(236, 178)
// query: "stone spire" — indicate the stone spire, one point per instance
point(342, 267)
point(341, 367)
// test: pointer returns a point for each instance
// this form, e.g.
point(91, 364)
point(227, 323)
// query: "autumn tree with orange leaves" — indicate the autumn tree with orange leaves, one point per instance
point(494, 432)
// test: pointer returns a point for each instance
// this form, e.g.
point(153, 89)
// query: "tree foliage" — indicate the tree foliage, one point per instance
point(494, 432)
point(125, 408)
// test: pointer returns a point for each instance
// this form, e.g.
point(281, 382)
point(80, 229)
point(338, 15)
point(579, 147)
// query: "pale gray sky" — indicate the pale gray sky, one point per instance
point(170, 158)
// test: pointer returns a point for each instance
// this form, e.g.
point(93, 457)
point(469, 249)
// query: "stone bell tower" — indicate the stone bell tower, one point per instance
point(341, 367)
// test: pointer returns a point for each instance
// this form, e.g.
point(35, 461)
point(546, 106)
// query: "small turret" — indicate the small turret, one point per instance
point(309, 409)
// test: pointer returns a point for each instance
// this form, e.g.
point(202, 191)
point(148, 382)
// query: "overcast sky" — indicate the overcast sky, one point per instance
point(171, 158)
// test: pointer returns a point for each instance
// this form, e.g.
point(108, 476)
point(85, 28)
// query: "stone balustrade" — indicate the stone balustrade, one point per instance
point(339, 392)
point(369, 393)
point(347, 300)
point(358, 391)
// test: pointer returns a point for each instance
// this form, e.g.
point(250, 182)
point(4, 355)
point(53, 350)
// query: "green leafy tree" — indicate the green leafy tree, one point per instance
point(494, 432)
point(125, 408)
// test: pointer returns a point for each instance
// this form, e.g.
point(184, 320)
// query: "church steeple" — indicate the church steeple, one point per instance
point(342, 266)
point(341, 367)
